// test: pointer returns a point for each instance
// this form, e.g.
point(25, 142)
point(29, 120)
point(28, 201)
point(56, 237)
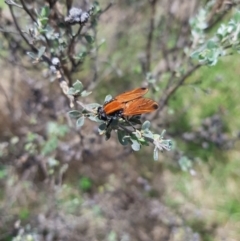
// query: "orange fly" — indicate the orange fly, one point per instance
point(127, 104)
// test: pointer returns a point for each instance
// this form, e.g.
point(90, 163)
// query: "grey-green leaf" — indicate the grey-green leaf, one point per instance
point(185, 163)
point(148, 134)
point(89, 39)
point(137, 134)
point(108, 98)
point(45, 11)
point(155, 154)
point(71, 91)
point(122, 137)
point(80, 121)
point(92, 106)
point(74, 113)
point(32, 55)
point(78, 86)
point(85, 93)
point(41, 51)
point(146, 125)
point(162, 134)
point(102, 127)
point(94, 118)
point(43, 22)
point(135, 145)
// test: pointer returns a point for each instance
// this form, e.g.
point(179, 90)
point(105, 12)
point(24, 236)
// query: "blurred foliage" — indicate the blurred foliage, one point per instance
point(85, 184)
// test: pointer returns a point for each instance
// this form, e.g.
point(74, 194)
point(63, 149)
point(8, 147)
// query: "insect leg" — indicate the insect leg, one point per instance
point(109, 122)
point(124, 118)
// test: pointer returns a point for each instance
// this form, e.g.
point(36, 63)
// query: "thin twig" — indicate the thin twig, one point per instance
point(130, 132)
point(10, 2)
point(106, 8)
point(150, 36)
point(52, 3)
point(60, 74)
point(45, 58)
point(71, 48)
point(95, 58)
point(221, 16)
point(28, 12)
point(169, 91)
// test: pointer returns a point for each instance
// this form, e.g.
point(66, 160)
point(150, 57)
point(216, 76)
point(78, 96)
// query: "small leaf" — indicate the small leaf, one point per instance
point(162, 134)
point(133, 137)
point(155, 154)
point(92, 106)
point(71, 91)
point(123, 138)
point(94, 118)
point(148, 134)
point(236, 16)
point(43, 22)
point(146, 125)
point(143, 141)
point(102, 127)
point(80, 121)
point(185, 163)
point(85, 93)
point(81, 55)
point(157, 137)
point(108, 98)
point(93, 22)
point(32, 55)
point(138, 134)
point(45, 11)
point(89, 39)
point(135, 145)
point(114, 123)
point(41, 51)
point(211, 44)
point(74, 113)
point(96, 7)
point(78, 86)
point(195, 55)
point(222, 30)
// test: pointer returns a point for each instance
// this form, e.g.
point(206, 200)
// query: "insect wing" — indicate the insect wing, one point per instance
point(112, 107)
point(131, 95)
point(139, 106)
